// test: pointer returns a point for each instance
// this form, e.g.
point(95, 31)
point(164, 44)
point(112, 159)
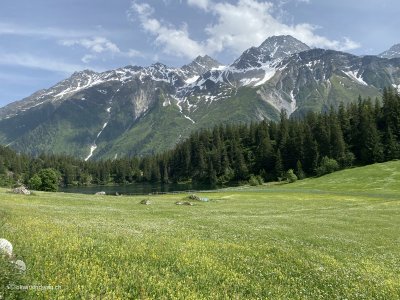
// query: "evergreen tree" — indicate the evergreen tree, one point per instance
point(278, 165)
point(392, 147)
point(299, 170)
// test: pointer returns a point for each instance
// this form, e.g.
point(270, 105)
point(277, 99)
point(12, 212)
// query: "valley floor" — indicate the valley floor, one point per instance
point(334, 237)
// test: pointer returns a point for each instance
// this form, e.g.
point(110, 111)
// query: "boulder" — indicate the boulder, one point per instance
point(6, 247)
point(21, 190)
point(194, 197)
point(20, 265)
point(145, 202)
point(184, 203)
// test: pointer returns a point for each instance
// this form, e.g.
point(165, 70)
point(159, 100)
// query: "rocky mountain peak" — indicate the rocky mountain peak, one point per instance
point(273, 48)
point(282, 46)
point(199, 66)
point(393, 52)
point(83, 73)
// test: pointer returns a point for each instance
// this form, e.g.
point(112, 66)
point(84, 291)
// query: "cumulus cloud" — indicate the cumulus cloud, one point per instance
point(237, 26)
point(173, 40)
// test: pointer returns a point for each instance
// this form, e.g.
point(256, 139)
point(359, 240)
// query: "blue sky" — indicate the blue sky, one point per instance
point(45, 41)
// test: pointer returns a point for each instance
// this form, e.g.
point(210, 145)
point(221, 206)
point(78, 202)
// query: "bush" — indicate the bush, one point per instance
point(46, 180)
point(347, 160)
point(256, 180)
point(290, 176)
point(299, 171)
point(327, 165)
point(35, 182)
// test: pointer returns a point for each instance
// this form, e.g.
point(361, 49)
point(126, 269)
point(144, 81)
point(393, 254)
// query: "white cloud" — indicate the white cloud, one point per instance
point(134, 53)
point(203, 4)
point(257, 22)
point(237, 27)
point(88, 58)
point(174, 41)
point(46, 32)
point(96, 44)
point(36, 62)
point(99, 46)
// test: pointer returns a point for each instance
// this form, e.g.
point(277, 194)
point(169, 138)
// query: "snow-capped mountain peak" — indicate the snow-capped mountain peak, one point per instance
point(199, 66)
point(393, 52)
point(99, 114)
point(279, 47)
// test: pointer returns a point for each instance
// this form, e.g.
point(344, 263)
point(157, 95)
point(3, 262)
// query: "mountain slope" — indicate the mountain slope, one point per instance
point(393, 52)
point(141, 110)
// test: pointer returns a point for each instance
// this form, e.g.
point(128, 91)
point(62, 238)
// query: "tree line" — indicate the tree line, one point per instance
point(360, 133)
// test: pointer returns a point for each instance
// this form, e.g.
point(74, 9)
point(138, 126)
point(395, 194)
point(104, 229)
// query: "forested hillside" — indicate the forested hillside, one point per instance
point(359, 133)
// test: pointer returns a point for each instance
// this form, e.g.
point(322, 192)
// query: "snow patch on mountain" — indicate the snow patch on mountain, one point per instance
point(269, 73)
point(293, 104)
point(397, 87)
point(92, 149)
point(354, 75)
point(393, 52)
point(192, 79)
point(179, 103)
point(190, 119)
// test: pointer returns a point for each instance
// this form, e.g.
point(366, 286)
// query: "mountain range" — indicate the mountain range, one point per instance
point(142, 110)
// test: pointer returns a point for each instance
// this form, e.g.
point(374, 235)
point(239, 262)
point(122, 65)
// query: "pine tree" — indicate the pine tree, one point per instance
point(392, 147)
point(371, 149)
point(239, 167)
point(337, 143)
point(311, 153)
point(299, 170)
point(278, 165)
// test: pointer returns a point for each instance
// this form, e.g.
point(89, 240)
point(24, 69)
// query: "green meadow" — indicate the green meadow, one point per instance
point(333, 237)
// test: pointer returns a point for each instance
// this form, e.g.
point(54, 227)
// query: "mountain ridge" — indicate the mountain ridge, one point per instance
point(137, 110)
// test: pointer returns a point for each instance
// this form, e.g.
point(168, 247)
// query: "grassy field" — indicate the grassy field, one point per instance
point(334, 237)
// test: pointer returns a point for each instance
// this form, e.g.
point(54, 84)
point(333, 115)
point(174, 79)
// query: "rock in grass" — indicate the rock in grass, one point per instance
point(100, 193)
point(6, 247)
point(145, 202)
point(194, 197)
point(20, 265)
point(184, 203)
point(21, 190)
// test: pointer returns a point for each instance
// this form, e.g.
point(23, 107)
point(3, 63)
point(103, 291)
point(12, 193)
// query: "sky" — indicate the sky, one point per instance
point(44, 41)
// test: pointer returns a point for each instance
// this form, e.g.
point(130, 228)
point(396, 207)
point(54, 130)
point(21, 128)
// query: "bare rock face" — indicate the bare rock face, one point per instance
point(21, 190)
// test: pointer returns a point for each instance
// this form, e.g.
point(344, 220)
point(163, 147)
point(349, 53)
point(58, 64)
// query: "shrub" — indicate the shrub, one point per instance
point(255, 180)
point(327, 165)
point(35, 182)
point(46, 180)
point(290, 176)
point(347, 160)
point(299, 171)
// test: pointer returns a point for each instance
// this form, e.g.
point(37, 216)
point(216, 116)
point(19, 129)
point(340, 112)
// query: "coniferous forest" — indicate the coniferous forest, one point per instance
point(360, 133)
